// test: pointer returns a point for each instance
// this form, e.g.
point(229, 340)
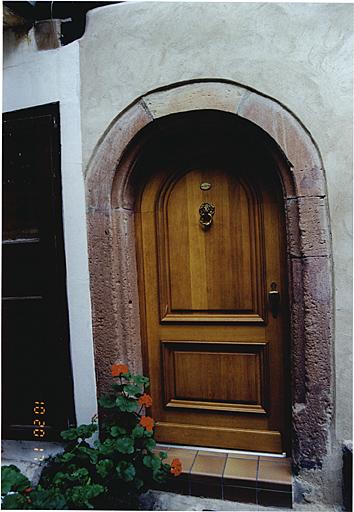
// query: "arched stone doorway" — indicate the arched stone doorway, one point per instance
point(110, 201)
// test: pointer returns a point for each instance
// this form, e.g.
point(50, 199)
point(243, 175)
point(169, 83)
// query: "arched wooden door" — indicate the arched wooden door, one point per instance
point(211, 254)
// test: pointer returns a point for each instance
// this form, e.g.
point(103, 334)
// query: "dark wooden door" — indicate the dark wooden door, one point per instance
point(216, 348)
point(36, 371)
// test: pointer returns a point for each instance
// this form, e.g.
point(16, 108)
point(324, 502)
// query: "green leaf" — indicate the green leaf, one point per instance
point(138, 432)
point(104, 467)
point(129, 473)
point(117, 387)
point(152, 462)
point(70, 434)
point(59, 478)
point(139, 380)
point(126, 471)
point(126, 404)
point(12, 479)
point(87, 431)
point(108, 402)
point(108, 447)
point(67, 457)
point(81, 432)
point(132, 389)
point(159, 476)
point(80, 474)
point(14, 502)
point(138, 483)
point(116, 431)
point(150, 444)
point(125, 445)
point(89, 452)
point(80, 496)
point(47, 499)
point(166, 468)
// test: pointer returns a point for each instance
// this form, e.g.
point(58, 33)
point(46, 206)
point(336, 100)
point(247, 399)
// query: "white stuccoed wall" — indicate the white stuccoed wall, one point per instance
point(298, 54)
point(33, 78)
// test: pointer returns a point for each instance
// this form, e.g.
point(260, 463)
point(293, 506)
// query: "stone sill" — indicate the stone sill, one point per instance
point(28, 455)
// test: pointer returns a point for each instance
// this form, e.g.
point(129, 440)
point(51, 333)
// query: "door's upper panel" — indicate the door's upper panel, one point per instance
point(210, 248)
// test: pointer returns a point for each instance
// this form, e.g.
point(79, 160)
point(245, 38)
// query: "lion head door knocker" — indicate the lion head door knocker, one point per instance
point(206, 212)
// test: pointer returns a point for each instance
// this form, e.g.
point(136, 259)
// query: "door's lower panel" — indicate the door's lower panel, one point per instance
point(216, 376)
point(237, 439)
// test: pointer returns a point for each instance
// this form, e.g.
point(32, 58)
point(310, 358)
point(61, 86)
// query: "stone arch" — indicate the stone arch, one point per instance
point(114, 290)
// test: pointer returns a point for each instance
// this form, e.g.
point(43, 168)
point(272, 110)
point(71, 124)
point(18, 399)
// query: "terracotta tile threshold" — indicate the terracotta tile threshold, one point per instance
point(235, 476)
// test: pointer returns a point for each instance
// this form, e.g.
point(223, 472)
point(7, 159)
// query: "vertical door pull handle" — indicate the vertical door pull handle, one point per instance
point(274, 299)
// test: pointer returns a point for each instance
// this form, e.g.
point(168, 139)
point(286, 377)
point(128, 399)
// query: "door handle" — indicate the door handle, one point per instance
point(274, 299)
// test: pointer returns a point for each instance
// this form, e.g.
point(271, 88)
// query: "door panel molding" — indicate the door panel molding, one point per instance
point(187, 389)
point(111, 195)
point(193, 304)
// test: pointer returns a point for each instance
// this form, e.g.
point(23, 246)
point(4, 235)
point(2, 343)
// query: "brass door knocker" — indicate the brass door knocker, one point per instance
point(206, 212)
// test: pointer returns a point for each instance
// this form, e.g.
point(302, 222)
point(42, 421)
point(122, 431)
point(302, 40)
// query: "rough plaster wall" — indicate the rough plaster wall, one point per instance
point(34, 78)
point(299, 54)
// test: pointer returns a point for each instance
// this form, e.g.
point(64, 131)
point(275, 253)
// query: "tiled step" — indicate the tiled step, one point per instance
point(239, 477)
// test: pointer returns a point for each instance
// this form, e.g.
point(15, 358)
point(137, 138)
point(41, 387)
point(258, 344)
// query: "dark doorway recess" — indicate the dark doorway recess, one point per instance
point(37, 389)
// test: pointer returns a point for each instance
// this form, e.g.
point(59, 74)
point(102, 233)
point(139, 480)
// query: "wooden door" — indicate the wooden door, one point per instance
point(215, 350)
point(36, 367)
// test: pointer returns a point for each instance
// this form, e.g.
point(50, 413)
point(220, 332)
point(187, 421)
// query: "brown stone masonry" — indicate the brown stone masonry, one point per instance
point(114, 290)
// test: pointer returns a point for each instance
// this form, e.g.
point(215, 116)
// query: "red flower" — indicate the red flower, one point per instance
point(118, 369)
point(145, 400)
point(147, 422)
point(28, 489)
point(176, 467)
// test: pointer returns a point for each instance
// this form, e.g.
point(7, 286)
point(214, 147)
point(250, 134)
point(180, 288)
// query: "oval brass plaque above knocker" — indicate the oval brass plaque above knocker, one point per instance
point(205, 186)
point(206, 212)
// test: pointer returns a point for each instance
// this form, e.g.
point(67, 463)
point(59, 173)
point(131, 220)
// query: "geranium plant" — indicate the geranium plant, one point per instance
point(114, 470)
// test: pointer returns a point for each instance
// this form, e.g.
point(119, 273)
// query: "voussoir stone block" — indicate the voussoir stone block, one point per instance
point(307, 227)
point(311, 332)
point(292, 227)
point(103, 165)
point(311, 422)
point(125, 285)
point(295, 142)
point(115, 300)
point(297, 329)
point(317, 286)
point(195, 96)
point(318, 329)
point(104, 312)
point(313, 225)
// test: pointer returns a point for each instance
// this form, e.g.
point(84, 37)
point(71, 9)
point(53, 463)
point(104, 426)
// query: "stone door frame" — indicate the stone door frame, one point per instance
point(112, 261)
